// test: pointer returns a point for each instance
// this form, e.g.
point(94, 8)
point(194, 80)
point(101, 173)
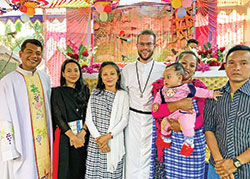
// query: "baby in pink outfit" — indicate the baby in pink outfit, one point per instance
point(174, 90)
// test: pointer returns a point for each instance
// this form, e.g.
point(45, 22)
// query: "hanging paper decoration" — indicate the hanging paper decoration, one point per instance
point(25, 17)
point(107, 5)
point(186, 3)
point(70, 3)
point(14, 7)
point(181, 12)
point(38, 3)
point(103, 16)
point(176, 3)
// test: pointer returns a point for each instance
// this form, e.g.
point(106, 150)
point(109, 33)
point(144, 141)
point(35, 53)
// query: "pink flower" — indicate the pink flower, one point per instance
point(202, 67)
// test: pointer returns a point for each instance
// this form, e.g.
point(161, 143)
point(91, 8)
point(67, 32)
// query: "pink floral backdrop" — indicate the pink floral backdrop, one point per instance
point(224, 24)
point(61, 25)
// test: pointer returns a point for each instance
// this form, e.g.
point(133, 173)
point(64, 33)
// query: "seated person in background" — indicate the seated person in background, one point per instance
point(192, 44)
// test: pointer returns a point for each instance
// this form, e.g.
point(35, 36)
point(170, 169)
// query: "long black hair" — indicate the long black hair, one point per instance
point(81, 86)
point(100, 84)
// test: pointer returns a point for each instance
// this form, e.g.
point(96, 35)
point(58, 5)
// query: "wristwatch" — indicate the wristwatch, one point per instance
point(237, 163)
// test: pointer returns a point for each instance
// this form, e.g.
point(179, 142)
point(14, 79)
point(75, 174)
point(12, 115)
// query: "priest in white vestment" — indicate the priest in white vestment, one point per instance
point(138, 78)
point(24, 153)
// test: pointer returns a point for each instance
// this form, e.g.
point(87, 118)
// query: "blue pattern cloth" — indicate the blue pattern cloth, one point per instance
point(178, 166)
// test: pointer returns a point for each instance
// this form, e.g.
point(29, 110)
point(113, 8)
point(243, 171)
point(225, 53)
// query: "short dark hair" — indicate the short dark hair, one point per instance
point(192, 41)
point(178, 68)
point(147, 32)
point(100, 85)
point(237, 48)
point(32, 41)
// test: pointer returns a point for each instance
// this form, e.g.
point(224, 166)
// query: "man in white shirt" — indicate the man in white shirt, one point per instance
point(25, 118)
point(138, 78)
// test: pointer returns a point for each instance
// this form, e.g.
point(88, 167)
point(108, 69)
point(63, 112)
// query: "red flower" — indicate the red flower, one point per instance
point(75, 56)
point(69, 54)
point(200, 52)
point(222, 49)
point(85, 53)
point(214, 63)
point(210, 51)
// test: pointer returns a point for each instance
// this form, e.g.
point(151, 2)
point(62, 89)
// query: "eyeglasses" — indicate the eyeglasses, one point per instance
point(149, 44)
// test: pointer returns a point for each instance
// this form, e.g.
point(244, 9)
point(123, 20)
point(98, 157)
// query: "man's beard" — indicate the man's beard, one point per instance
point(148, 57)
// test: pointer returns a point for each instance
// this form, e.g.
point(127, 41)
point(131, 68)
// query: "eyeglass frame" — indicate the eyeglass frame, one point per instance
point(148, 44)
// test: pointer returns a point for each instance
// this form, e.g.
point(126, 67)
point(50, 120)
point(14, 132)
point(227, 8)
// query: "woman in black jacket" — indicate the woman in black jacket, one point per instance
point(69, 102)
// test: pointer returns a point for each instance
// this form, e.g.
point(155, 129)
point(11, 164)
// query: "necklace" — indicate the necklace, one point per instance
point(137, 73)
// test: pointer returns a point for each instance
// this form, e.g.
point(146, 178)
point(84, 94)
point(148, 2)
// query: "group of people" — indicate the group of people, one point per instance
point(148, 121)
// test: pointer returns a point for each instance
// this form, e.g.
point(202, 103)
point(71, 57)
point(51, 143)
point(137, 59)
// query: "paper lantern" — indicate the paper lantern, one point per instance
point(176, 3)
point(23, 8)
point(99, 8)
point(108, 9)
point(186, 3)
point(25, 17)
point(103, 16)
point(181, 12)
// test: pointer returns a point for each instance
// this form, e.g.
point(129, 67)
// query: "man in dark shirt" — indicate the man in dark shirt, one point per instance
point(227, 121)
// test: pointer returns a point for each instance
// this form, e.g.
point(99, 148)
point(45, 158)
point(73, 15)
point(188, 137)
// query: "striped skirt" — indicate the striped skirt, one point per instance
point(176, 165)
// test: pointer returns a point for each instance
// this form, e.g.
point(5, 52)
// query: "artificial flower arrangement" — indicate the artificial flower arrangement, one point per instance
point(83, 55)
point(210, 56)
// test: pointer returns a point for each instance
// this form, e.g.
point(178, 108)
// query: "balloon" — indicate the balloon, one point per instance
point(31, 11)
point(99, 8)
point(103, 16)
point(25, 17)
point(108, 9)
point(23, 8)
point(176, 3)
point(181, 12)
point(186, 3)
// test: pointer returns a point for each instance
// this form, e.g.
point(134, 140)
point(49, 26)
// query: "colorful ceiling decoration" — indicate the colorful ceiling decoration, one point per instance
point(37, 3)
point(70, 3)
